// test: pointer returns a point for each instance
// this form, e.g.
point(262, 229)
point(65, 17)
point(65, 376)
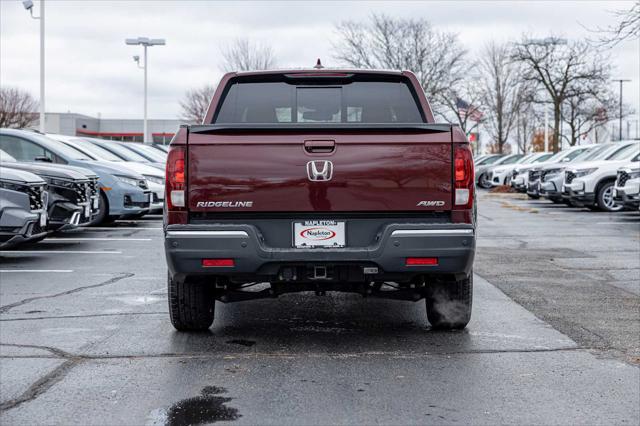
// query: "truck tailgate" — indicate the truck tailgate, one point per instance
point(275, 172)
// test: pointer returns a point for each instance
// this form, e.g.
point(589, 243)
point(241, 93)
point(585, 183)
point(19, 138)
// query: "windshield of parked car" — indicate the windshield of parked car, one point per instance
point(489, 160)
point(67, 151)
point(155, 155)
point(346, 99)
point(124, 153)
point(512, 160)
point(95, 151)
point(543, 157)
point(624, 153)
point(526, 159)
point(590, 153)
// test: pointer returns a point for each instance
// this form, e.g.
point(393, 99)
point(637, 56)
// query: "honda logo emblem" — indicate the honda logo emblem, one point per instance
point(320, 170)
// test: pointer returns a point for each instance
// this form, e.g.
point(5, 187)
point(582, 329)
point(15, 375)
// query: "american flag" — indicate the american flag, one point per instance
point(466, 109)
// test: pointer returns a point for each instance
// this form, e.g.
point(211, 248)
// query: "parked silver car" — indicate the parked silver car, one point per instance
point(123, 193)
point(73, 192)
point(23, 207)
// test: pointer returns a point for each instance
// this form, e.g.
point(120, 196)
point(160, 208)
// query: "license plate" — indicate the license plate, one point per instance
point(319, 233)
point(95, 203)
point(87, 211)
point(43, 219)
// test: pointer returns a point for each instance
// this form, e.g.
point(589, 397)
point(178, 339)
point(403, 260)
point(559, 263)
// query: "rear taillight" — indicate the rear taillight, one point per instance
point(421, 261)
point(175, 179)
point(463, 175)
point(218, 263)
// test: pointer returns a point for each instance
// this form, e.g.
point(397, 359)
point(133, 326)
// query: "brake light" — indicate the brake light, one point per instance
point(422, 261)
point(218, 263)
point(175, 179)
point(463, 174)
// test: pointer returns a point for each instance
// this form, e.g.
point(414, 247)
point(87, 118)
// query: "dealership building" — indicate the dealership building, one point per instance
point(127, 130)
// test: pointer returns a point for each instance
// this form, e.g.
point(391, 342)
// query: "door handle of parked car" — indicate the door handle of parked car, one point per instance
point(319, 147)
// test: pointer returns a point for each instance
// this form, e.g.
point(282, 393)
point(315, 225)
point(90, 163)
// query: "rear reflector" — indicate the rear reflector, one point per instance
point(422, 261)
point(462, 196)
point(177, 198)
point(228, 263)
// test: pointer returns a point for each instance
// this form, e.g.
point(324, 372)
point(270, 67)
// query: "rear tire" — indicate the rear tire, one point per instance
point(191, 305)
point(449, 303)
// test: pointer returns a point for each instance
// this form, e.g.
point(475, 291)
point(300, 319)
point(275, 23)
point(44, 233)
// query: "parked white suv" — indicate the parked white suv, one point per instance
point(551, 173)
point(533, 178)
point(627, 189)
point(591, 183)
point(519, 174)
point(501, 175)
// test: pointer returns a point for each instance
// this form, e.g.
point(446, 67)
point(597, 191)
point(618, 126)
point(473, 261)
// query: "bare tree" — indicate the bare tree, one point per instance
point(17, 108)
point(437, 58)
point(627, 27)
point(561, 70)
point(505, 92)
point(589, 111)
point(245, 55)
point(195, 103)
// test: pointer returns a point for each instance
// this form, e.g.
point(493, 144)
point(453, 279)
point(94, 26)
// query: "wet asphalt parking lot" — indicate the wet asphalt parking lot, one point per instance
point(85, 336)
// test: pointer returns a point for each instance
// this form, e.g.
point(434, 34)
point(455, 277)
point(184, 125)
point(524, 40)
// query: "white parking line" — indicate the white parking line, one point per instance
point(57, 252)
point(94, 239)
point(37, 270)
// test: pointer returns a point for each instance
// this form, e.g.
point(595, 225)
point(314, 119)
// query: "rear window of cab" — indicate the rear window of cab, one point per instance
point(319, 101)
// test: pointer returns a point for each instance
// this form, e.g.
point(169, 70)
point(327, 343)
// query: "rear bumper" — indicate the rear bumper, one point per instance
point(187, 245)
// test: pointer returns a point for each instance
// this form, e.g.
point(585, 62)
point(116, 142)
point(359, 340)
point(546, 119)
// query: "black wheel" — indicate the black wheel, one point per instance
point(103, 210)
point(483, 181)
point(191, 305)
point(556, 200)
point(533, 196)
point(449, 303)
point(604, 198)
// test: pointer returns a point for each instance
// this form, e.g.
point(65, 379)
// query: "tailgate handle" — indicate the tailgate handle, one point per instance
point(319, 147)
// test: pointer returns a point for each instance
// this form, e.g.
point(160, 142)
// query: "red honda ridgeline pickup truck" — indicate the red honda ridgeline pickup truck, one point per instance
point(319, 180)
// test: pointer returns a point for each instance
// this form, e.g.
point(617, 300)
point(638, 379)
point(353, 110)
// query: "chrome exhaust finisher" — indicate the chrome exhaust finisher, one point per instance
point(75, 219)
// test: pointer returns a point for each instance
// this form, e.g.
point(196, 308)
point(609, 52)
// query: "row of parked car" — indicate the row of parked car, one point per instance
point(51, 183)
point(599, 176)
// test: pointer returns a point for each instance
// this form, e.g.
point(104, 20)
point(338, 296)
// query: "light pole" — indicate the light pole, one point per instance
point(145, 42)
point(28, 4)
point(621, 81)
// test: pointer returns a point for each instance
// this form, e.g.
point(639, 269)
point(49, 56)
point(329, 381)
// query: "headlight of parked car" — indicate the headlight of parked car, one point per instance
point(12, 186)
point(584, 172)
point(155, 179)
point(127, 180)
point(58, 182)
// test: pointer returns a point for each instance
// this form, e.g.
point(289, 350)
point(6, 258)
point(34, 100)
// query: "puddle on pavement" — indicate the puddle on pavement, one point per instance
point(208, 407)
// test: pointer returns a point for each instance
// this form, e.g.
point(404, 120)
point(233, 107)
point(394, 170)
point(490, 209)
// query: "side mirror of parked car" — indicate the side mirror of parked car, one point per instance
point(43, 159)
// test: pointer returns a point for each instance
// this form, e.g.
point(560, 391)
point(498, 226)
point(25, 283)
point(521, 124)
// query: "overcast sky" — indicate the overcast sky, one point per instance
point(90, 70)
